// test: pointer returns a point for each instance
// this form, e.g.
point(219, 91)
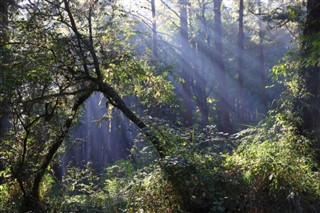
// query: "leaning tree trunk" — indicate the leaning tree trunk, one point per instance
point(32, 198)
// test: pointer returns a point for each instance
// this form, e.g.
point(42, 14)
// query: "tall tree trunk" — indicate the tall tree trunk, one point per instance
point(218, 54)
point(203, 105)
point(241, 100)
point(200, 47)
point(4, 104)
point(4, 5)
point(200, 93)
point(309, 105)
point(4, 118)
point(155, 53)
point(185, 66)
point(261, 67)
point(155, 50)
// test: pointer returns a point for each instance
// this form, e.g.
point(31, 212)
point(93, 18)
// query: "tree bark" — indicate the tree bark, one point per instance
point(219, 68)
point(241, 99)
point(309, 104)
point(115, 99)
point(4, 116)
point(32, 198)
point(261, 66)
point(185, 66)
point(199, 89)
point(4, 7)
point(201, 46)
point(155, 53)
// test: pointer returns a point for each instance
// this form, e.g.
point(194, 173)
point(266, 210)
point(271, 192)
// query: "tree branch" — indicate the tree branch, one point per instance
point(53, 149)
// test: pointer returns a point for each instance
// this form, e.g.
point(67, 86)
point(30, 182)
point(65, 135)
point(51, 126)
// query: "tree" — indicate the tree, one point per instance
point(309, 75)
point(201, 45)
point(55, 70)
point(262, 62)
point(4, 9)
point(154, 31)
point(219, 69)
point(4, 119)
point(240, 67)
point(184, 63)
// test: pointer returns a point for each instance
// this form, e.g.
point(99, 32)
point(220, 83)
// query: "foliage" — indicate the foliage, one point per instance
point(61, 51)
point(293, 72)
point(192, 175)
point(151, 191)
point(83, 190)
point(55, 55)
point(277, 166)
point(191, 178)
point(9, 197)
point(272, 170)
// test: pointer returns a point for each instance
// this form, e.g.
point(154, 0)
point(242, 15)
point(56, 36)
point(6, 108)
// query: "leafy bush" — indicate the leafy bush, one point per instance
point(191, 178)
point(277, 167)
point(9, 197)
point(271, 170)
point(82, 190)
point(152, 192)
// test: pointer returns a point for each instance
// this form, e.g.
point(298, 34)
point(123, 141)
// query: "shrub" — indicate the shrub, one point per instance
point(278, 168)
point(83, 190)
point(191, 178)
point(152, 192)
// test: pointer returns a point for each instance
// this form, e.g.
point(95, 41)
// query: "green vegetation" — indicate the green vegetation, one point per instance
point(185, 85)
point(271, 170)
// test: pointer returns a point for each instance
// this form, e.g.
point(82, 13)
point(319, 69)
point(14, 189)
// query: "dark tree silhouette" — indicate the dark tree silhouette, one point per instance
point(4, 9)
point(308, 105)
point(261, 61)
point(219, 68)
point(240, 67)
point(184, 63)
point(155, 53)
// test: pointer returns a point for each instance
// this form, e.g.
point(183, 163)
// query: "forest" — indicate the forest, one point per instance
point(159, 106)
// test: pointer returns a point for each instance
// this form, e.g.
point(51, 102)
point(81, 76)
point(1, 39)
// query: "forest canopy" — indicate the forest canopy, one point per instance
point(159, 106)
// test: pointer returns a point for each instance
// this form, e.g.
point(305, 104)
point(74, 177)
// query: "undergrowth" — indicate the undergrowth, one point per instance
point(266, 168)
